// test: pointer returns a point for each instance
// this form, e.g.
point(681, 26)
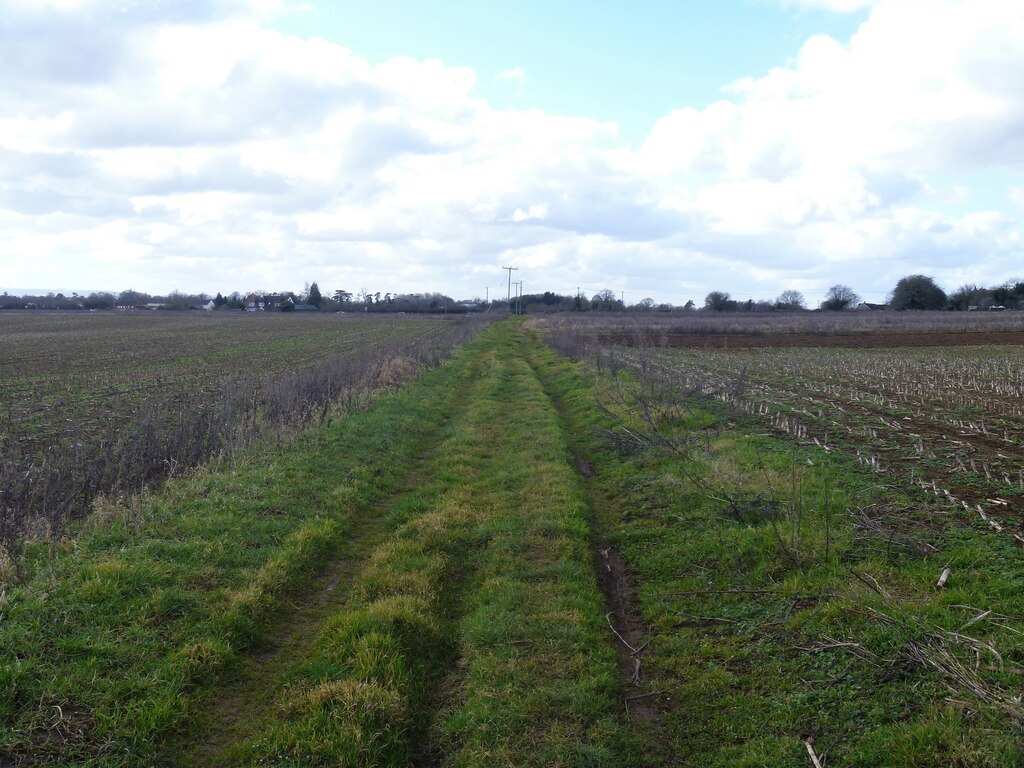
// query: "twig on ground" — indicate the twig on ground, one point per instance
point(640, 696)
point(813, 755)
point(608, 618)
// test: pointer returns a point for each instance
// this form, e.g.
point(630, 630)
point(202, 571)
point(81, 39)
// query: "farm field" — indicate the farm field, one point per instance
point(851, 328)
point(947, 419)
point(117, 400)
point(67, 376)
point(520, 560)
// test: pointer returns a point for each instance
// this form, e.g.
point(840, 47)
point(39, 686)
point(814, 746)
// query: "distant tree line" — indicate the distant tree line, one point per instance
point(911, 292)
point(284, 301)
point(104, 300)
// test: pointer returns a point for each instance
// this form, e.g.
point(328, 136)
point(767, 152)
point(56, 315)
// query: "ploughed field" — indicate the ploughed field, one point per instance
point(823, 329)
point(110, 402)
point(854, 339)
point(66, 376)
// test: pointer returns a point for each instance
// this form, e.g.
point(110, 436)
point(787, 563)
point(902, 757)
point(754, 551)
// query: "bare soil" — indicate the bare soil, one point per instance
point(631, 634)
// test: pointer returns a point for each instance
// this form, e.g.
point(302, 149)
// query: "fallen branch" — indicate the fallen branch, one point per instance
point(647, 695)
point(608, 618)
point(717, 592)
point(811, 753)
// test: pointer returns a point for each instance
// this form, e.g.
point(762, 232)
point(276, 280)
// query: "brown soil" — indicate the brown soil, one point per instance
point(867, 340)
point(631, 635)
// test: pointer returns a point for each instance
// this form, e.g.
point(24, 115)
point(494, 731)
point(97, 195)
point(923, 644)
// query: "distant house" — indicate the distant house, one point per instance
point(867, 306)
point(262, 302)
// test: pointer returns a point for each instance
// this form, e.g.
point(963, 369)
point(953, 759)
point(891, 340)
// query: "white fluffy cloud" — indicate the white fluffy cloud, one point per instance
point(187, 145)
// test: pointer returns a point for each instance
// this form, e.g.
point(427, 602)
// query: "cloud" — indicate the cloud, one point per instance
point(188, 145)
point(514, 75)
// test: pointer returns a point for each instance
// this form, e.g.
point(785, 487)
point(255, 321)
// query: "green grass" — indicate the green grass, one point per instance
point(484, 596)
point(537, 682)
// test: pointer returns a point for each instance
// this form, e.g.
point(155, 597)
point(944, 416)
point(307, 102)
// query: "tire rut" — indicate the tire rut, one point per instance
point(284, 644)
point(631, 635)
point(228, 716)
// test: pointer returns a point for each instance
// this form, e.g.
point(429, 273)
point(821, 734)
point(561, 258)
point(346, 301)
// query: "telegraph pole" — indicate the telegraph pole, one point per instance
point(509, 296)
point(519, 297)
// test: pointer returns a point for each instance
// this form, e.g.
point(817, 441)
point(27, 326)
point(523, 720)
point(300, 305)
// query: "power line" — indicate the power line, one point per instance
point(510, 270)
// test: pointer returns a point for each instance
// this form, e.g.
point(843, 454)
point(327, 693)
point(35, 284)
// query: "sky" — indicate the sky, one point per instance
point(657, 149)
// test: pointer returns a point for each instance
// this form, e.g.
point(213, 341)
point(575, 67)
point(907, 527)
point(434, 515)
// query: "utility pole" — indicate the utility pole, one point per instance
point(509, 296)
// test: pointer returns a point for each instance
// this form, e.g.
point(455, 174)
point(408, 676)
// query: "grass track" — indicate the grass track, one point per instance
point(535, 681)
point(474, 635)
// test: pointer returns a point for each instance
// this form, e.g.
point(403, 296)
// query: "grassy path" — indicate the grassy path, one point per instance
point(474, 634)
point(246, 701)
point(243, 698)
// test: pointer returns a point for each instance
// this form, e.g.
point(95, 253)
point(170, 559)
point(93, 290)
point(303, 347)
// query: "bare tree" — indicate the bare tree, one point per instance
point(791, 300)
point(840, 297)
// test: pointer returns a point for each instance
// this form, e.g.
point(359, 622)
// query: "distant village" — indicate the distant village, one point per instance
point(309, 300)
